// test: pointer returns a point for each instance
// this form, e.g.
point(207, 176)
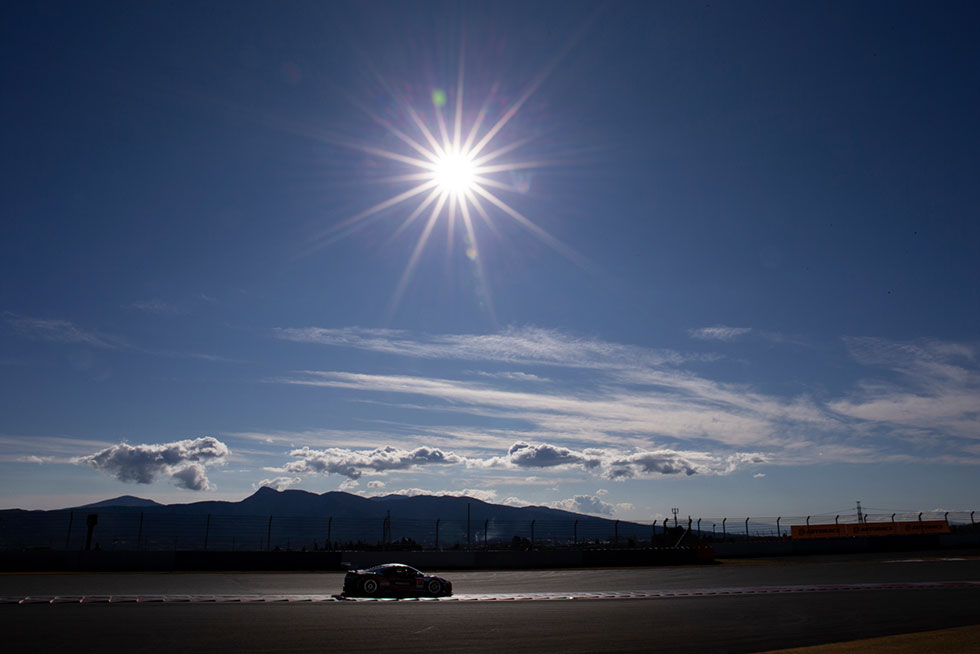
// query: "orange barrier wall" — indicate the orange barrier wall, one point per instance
point(871, 529)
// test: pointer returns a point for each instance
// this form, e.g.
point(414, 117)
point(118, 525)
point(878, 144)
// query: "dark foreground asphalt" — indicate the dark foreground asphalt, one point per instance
point(749, 621)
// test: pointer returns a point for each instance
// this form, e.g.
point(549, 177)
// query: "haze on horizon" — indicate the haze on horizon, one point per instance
point(605, 258)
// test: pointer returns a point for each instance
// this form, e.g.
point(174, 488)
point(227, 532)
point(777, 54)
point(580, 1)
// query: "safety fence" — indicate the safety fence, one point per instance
point(151, 530)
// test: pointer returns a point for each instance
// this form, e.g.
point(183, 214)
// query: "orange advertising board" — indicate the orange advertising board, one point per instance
point(871, 529)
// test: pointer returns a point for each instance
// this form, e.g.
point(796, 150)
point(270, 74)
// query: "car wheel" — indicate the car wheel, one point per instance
point(369, 586)
point(434, 587)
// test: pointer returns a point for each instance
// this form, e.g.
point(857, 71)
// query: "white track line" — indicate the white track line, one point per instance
point(485, 597)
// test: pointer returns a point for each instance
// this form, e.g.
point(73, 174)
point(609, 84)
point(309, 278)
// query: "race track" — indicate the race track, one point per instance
point(740, 607)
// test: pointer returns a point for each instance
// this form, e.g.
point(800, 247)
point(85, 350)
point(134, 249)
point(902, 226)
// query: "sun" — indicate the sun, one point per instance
point(458, 171)
point(454, 173)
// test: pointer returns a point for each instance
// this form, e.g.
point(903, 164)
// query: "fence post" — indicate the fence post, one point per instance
point(724, 533)
point(616, 533)
point(972, 524)
point(893, 517)
point(778, 534)
point(808, 520)
point(921, 528)
point(699, 527)
point(746, 527)
point(689, 523)
point(268, 536)
point(139, 534)
point(207, 532)
point(90, 521)
point(946, 517)
point(71, 519)
point(532, 534)
point(653, 534)
point(438, 520)
point(837, 519)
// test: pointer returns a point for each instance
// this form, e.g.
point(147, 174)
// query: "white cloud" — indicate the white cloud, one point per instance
point(653, 408)
point(375, 483)
point(718, 333)
point(183, 461)
point(348, 484)
point(353, 463)
point(614, 464)
point(591, 504)
point(62, 331)
point(525, 345)
point(278, 483)
point(759, 475)
point(934, 387)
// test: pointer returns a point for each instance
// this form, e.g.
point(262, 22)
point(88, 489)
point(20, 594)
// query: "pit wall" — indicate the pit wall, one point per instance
point(791, 547)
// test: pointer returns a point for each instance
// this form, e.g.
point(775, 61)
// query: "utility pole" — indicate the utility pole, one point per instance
point(860, 514)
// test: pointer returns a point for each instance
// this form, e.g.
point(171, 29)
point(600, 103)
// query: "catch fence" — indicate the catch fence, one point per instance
point(149, 531)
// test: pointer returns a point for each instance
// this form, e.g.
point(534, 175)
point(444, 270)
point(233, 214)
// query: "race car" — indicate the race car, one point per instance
point(394, 579)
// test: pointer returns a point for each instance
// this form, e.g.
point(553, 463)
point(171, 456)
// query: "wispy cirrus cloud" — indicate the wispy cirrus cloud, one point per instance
point(934, 386)
point(718, 333)
point(156, 307)
point(660, 410)
point(63, 331)
point(524, 345)
point(67, 332)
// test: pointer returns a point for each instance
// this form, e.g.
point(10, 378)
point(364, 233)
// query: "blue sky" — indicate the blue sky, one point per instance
point(720, 257)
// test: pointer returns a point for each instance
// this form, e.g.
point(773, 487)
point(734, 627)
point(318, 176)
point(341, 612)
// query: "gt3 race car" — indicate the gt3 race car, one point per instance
point(394, 579)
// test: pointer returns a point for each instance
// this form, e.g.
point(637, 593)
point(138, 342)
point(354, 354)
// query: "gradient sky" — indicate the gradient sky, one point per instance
point(732, 266)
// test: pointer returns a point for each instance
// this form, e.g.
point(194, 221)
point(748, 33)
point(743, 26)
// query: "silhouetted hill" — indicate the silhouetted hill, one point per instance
point(128, 501)
point(269, 502)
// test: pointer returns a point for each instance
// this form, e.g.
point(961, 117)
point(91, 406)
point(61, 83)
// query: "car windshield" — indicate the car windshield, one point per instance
point(392, 568)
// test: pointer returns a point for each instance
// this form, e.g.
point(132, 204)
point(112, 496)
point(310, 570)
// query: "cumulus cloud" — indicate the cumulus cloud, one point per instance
point(609, 463)
point(374, 483)
point(183, 461)
point(545, 455)
point(348, 484)
point(617, 464)
point(718, 333)
point(592, 504)
point(278, 483)
point(353, 463)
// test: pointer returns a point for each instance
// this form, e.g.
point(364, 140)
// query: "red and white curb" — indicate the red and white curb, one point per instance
point(486, 597)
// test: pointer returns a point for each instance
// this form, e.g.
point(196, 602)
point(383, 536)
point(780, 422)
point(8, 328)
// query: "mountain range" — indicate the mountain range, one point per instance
point(337, 504)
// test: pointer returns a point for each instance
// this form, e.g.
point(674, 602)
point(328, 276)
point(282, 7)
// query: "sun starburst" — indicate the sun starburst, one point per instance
point(457, 176)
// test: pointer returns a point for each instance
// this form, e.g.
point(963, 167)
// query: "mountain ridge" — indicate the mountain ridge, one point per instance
point(267, 501)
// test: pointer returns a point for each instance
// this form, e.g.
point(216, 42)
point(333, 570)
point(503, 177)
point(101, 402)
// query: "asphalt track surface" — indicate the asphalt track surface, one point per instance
point(729, 607)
